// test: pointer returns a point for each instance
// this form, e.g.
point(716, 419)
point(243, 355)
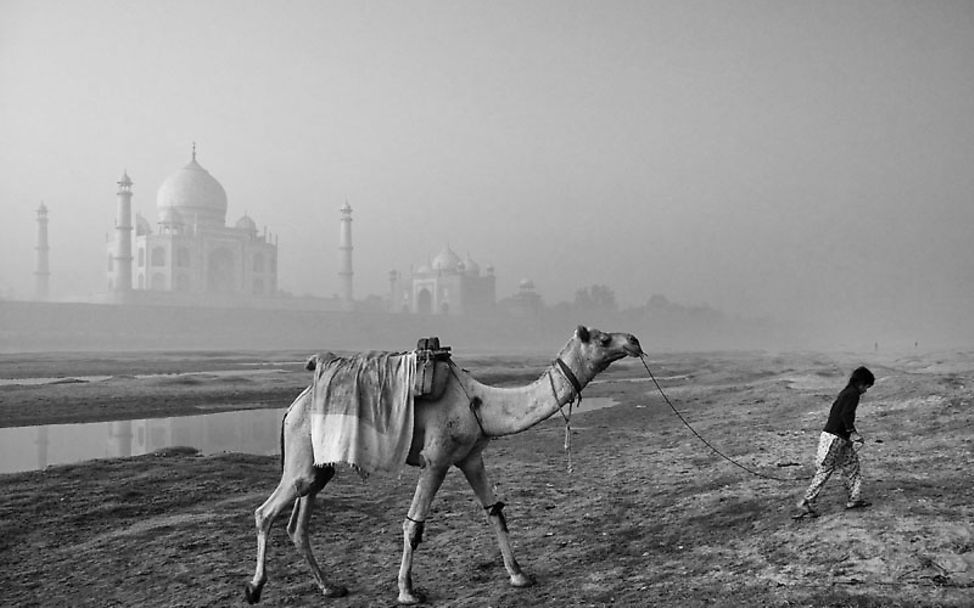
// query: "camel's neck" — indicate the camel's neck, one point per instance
point(505, 411)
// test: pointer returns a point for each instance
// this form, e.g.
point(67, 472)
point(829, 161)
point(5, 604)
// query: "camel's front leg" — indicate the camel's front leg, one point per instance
point(412, 528)
point(473, 468)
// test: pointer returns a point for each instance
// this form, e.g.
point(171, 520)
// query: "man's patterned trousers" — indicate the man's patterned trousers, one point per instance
point(835, 454)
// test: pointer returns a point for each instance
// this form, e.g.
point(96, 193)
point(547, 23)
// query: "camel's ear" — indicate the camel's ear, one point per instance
point(582, 333)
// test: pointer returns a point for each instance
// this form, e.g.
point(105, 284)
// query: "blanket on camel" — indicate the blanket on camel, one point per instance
point(362, 410)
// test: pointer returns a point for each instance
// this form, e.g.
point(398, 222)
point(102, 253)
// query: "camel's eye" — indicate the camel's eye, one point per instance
point(604, 340)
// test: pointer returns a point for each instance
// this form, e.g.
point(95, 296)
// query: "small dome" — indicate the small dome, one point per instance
point(246, 223)
point(195, 194)
point(424, 269)
point(446, 261)
point(142, 226)
point(526, 285)
point(471, 266)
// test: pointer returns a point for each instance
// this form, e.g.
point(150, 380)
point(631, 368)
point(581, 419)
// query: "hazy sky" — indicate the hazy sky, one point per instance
point(793, 159)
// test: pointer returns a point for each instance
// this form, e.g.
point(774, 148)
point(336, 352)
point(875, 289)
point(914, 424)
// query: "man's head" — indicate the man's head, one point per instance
point(862, 379)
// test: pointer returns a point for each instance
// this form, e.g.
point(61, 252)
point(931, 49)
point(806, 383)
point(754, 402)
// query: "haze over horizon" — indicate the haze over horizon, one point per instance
point(809, 162)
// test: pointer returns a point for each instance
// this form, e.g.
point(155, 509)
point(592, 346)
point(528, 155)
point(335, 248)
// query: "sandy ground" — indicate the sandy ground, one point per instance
point(649, 517)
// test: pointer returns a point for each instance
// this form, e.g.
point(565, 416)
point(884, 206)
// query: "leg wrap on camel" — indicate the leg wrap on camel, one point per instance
point(496, 510)
point(414, 531)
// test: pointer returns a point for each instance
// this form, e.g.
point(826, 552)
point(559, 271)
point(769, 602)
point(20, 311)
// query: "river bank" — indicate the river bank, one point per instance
point(649, 517)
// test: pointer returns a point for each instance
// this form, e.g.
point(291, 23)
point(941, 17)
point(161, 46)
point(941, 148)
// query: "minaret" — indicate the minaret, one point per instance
point(393, 292)
point(42, 272)
point(122, 268)
point(345, 247)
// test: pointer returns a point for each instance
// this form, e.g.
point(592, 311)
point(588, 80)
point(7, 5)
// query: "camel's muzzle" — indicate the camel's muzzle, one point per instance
point(632, 347)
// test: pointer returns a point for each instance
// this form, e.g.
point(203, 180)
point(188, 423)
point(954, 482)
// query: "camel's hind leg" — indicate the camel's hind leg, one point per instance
point(300, 481)
point(297, 529)
point(473, 469)
point(287, 492)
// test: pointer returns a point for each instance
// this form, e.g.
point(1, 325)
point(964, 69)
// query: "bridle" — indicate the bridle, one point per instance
point(577, 394)
point(570, 376)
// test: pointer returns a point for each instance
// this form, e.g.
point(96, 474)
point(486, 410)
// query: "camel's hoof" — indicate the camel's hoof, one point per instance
point(411, 598)
point(252, 593)
point(335, 591)
point(521, 580)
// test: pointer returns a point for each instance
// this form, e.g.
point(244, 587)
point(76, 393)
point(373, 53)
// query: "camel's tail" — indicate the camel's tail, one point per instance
point(311, 363)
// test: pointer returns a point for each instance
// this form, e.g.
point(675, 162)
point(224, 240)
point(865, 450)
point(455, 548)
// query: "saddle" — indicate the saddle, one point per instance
point(432, 369)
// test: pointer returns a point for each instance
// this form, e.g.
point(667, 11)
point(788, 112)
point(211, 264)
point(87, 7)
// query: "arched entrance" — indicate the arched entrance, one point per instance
point(219, 271)
point(424, 302)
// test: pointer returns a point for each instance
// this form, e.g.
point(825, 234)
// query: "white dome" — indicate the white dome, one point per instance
point(170, 217)
point(246, 223)
point(195, 194)
point(446, 261)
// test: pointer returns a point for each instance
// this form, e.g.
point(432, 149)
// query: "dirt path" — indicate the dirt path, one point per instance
point(650, 516)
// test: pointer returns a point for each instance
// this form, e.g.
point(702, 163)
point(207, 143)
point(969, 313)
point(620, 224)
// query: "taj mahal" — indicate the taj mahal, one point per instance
point(191, 256)
point(191, 251)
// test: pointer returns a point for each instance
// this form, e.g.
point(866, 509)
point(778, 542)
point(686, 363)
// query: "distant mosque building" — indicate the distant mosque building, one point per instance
point(191, 251)
point(525, 303)
point(446, 285)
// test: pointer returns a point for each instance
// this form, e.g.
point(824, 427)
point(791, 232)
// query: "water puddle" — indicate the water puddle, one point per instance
point(32, 448)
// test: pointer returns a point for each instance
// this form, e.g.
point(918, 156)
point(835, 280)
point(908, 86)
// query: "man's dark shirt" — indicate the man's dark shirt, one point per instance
point(842, 416)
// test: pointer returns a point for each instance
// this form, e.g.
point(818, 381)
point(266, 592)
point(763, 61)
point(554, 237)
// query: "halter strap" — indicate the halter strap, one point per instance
point(577, 387)
point(570, 375)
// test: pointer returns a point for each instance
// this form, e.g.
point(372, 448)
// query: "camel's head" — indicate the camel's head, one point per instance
point(598, 349)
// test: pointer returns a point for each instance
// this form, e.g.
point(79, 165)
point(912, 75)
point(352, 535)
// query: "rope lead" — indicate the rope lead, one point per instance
point(568, 437)
point(707, 443)
point(568, 418)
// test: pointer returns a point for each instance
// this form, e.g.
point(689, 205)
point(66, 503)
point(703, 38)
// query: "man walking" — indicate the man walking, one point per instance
point(837, 446)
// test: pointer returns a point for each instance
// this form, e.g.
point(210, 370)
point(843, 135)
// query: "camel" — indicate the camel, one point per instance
point(450, 431)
